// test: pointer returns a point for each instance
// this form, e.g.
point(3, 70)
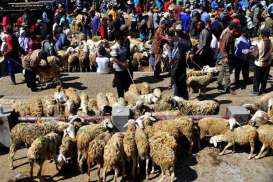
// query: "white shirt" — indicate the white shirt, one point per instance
point(103, 64)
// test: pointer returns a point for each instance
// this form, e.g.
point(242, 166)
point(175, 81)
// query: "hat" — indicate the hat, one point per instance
point(178, 27)
point(84, 10)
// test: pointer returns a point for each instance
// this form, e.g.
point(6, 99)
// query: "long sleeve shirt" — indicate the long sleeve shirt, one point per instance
point(226, 44)
point(241, 43)
point(265, 50)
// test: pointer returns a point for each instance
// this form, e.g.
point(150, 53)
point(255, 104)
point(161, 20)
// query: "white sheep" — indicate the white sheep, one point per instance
point(129, 145)
point(259, 118)
point(95, 152)
point(197, 83)
point(151, 98)
point(163, 156)
point(102, 102)
point(260, 104)
point(85, 135)
point(244, 135)
point(114, 156)
point(23, 134)
point(214, 126)
point(112, 99)
point(84, 103)
point(265, 135)
point(43, 148)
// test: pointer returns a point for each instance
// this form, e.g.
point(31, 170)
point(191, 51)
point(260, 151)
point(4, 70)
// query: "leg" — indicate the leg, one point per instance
point(252, 147)
point(162, 175)
point(134, 167)
point(31, 162)
point(261, 152)
point(138, 166)
point(104, 173)
point(116, 175)
point(55, 157)
point(221, 76)
point(172, 176)
point(147, 168)
point(153, 167)
point(12, 151)
point(89, 170)
point(264, 79)
point(98, 172)
point(226, 147)
point(39, 174)
point(245, 71)
point(227, 70)
point(257, 78)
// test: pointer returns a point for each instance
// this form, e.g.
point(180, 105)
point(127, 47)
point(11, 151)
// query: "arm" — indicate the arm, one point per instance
point(122, 64)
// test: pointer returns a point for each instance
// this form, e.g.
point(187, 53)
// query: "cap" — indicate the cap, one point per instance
point(123, 27)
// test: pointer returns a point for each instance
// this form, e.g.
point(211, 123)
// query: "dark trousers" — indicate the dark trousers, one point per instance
point(157, 65)
point(260, 78)
point(242, 65)
point(122, 81)
point(180, 90)
point(30, 78)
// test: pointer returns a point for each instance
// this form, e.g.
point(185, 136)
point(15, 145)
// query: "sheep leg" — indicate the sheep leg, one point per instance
point(134, 167)
point(12, 151)
point(226, 147)
point(98, 171)
point(56, 162)
point(89, 170)
point(261, 152)
point(31, 162)
point(104, 173)
point(147, 168)
point(39, 174)
point(153, 168)
point(116, 175)
point(172, 176)
point(162, 175)
point(252, 147)
point(138, 166)
point(191, 146)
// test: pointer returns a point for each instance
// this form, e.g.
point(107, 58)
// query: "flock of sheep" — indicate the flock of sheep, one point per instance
point(147, 138)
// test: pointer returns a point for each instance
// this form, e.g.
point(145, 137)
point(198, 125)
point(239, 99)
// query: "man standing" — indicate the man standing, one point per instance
point(226, 52)
point(94, 22)
point(12, 53)
point(159, 37)
point(262, 64)
point(179, 47)
point(122, 78)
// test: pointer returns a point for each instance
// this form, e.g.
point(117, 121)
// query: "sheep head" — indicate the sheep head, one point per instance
point(232, 123)
point(270, 104)
point(259, 117)
point(216, 139)
point(107, 123)
point(144, 120)
point(70, 131)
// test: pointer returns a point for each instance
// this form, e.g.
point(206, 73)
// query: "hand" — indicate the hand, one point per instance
point(225, 61)
point(125, 65)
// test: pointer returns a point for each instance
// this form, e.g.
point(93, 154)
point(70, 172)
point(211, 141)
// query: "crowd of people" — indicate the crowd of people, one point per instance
point(205, 32)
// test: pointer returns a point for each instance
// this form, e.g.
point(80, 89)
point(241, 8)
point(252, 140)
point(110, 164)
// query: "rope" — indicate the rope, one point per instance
point(196, 63)
point(16, 62)
point(130, 75)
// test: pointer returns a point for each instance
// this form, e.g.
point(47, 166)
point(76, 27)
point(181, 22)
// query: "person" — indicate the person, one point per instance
point(122, 79)
point(48, 46)
point(103, 62)
point(5, 22)
point(227, 58)
point(12, 53)
point(179, 47)
point(242, 47)
point(94, 22)
point(185, 20)
point(159, 37)
point(262, 64)
point(204, 51)
point(61, 39)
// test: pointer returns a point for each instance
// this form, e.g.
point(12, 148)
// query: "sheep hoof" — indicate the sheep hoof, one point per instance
point(249, 157)
point(257, 157)
point(221, 154)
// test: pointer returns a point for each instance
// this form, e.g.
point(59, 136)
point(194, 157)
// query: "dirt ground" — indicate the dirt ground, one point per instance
point(204, 166)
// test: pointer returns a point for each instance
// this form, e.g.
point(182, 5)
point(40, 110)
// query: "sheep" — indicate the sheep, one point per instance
point(151, 98)
point(67, 150)
point(49, 73)
point(102, 103)
point(21, 108)
point(50, 106)
point(92, 106)
point(70, 108)
point(43, 148)
point(131, 98)
point(114, 156)
point(84, 103)
point(242, 135)
point(195, 107)
point(73, 62)
point(259, 118)
point(192, 72)
point(29, 107)
point(95, 152)
point(112, 99)
point(261, 104)
point(270, 108)
point(197, 83)
point(163, 156)
point(23, 134)
point(265, 135)
point(84, 61)
point(92, 59)
point(143, 148)
point(129, 145)
point(133, 89)
point(72, 94)
point(85, 135)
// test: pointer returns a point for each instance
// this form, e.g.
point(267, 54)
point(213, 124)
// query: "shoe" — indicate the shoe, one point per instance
point(254, 94)
point(34, 89)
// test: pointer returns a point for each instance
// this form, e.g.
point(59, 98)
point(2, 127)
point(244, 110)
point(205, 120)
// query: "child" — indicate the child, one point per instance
point(103, 62)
